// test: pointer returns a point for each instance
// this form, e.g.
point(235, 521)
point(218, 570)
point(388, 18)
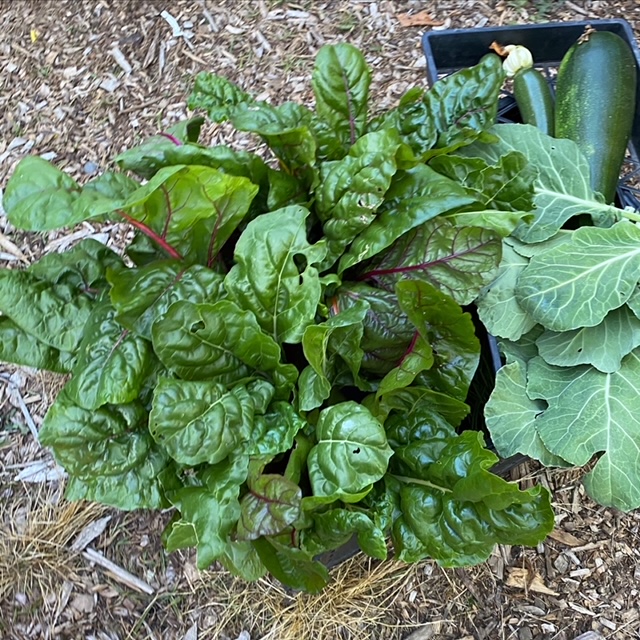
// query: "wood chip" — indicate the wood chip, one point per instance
point(565, 538)
point(90, 533)
point(420, 19)
point(117, 572)
point(528, 580)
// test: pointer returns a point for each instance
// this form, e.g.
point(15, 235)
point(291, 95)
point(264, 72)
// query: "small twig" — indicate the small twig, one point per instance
point(23, 407)
point(117, 572)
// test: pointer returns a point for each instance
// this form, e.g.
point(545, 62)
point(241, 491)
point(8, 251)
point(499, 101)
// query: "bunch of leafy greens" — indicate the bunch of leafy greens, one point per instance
point(281, 353)
point(566, 304)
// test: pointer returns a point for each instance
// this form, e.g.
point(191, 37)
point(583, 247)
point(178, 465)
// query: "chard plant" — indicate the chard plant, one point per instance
point(281, 353)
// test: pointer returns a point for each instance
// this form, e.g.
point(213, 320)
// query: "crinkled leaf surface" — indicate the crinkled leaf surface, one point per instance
point(108, 453)
point(453, 509)
point(266, 278)
point(576, 283)
point(387, 329)
point(459, 262)
point(217, 95)
point(602, 346)
point(220, 342)
point(506, 185)
point(417, 358)
point(592, 413)
point(270, 506)
point(352, 189)
point(351, 451)
point(198, 421)
point(141, 296)
point(340, 82)
point(510, 416)
point(497, 306)
point(194, 209)
point(562, 188)
point(209, 510)
point(465, 103)
point(20, 347)
point(275, 431)
point(112, 362)
point(241, 559)
point(84, 266)
point(285, 128)
point(55, 313)
point(329, 344)
point(414, 197)
point(449, 332)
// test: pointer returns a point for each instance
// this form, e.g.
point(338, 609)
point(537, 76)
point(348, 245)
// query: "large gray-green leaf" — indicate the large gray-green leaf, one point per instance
point(340, 82)
point(510, 416)
point(459, 262)
point(577, 283)
point(55, 313)
point(141, 296)
point(112, 362)
point(266, 278)
point(602, 346)
point(219, 342)
point(108, 452)
point(593, 414)
point(497, 306)
point(197, 421)
point(414, 197)
point(562, 189)
point(351, 454)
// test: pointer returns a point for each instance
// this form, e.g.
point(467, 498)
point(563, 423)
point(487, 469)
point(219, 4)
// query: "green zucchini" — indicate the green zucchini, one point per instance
point(595, 104)
point(534, 99)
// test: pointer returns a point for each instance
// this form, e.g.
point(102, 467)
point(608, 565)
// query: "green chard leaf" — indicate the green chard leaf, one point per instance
point(576, 283)
point(190, 211)
point(589, 414)
point(112, 362)
point(414, 197)
point(276, 430)
point(562, 188)
point(449, 332)
point(142, 296)
point(459, 262)
point(270, 506)
point(241, 559)
point(40, 197)
point(388, 331)
point(451, 507)
point(217, 95)
point(55, 313)
point(199, 421)
point(328, 347)
point(218, 342)
point(352, 189)
point(291, 566)
point(108, 453)
point(266, 278)
point(351, 452)
point(83, 267)
point(209, 510)
point(341, 80)
point(20, 347)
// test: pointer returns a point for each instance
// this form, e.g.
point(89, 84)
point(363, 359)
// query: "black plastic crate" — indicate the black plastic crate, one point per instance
point(454, 49)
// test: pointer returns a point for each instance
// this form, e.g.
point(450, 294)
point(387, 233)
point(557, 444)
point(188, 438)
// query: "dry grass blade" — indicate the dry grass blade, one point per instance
point(35, 528)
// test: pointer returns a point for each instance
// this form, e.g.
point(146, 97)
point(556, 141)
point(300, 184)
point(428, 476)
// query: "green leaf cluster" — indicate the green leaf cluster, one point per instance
point(280, 355)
